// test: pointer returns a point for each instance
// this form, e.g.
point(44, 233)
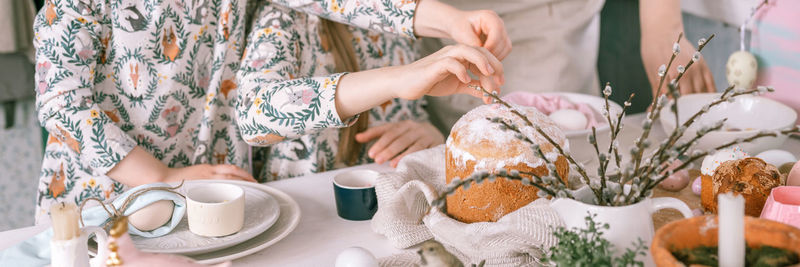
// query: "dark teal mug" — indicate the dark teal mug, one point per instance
point(355, 194)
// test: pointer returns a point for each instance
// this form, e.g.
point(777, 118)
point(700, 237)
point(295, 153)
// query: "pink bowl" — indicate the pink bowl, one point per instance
point(783, 205)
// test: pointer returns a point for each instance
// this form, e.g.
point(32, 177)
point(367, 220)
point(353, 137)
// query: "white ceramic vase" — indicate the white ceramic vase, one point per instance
point(627, 224)
point(75, 252)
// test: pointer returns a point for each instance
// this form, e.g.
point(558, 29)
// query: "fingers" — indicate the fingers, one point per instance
point(416, 146)
point(497, 40)
point(373, 133)
point(698, 84)
point(455, 67)
point(708, 79)
point(474, 55)
point(232, 172)
point(430, 137)
point(496, 64)
point(387, 138)
point(399, 145)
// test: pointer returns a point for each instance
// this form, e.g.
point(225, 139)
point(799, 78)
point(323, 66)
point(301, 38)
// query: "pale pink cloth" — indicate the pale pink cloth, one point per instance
point(775, 41)
point(548, 103)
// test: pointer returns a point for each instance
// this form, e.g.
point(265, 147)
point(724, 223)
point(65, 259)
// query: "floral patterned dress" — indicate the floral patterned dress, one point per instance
point(161, 75)
point(288, 82)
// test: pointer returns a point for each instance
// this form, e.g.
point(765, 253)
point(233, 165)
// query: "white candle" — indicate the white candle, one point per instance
point(64, 218)
point(731, 230)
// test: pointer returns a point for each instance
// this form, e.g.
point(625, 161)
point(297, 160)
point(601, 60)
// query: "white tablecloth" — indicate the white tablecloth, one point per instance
point(316, 241)
point(321, 234)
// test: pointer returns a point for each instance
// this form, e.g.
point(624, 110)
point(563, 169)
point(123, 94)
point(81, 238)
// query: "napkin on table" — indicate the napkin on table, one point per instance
point(517, 239)
point(36, 250)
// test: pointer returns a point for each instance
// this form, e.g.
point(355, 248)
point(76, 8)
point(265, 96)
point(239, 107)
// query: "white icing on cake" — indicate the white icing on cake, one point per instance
point(474, 127)
point(711, 162)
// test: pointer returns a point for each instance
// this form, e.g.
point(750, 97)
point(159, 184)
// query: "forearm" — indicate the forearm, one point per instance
point(434, 19)
point(660, 17)
point(139, 167)
point(363, 90)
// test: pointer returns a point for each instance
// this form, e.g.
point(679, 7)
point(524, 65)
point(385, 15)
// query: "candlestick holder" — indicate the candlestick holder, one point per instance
point(75, 252)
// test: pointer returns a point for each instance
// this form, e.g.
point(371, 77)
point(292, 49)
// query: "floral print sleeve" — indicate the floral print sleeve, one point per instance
point(388, 16)
point(273, 104)
point(68, 45)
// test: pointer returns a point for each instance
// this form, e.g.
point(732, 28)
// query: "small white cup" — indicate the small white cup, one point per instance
point(215, 209)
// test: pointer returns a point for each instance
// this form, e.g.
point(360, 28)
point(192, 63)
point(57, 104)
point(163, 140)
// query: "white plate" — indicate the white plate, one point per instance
point(286, 223)
point(261, 212)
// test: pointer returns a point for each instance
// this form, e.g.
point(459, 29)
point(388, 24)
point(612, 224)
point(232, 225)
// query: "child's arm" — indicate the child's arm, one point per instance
point(276, 102)
point(67, 50)
point(411, 18)
point(661, 22)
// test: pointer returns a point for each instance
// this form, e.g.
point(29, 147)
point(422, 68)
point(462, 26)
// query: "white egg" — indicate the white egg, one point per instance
point(569, 119)
point(741, 70)
point(777, 157)
point(356, 257)
point(152, 216)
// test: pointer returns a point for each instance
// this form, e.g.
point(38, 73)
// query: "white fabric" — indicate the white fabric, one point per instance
point(403, 196)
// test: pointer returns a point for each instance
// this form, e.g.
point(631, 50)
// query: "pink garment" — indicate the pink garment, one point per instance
point(548, 103)
point(775, 41)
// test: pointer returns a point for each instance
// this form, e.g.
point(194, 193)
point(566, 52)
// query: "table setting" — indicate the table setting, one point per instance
point(551, 179)
point(320, 235)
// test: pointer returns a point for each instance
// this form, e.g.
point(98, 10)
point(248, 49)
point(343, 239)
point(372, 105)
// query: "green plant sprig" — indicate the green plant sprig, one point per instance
point(588, 247)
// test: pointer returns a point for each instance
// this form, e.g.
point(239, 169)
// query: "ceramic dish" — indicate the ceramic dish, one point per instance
point(579, 145)
point(261, 211)
point(747, 115)
point(287, 220)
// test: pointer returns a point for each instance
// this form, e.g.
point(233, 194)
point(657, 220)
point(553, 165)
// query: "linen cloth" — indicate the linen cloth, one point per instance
point(405, 217)
point(36, 250)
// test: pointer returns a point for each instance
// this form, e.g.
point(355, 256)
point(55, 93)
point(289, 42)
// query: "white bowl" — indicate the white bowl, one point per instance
point(215, 209)
point(751, 114)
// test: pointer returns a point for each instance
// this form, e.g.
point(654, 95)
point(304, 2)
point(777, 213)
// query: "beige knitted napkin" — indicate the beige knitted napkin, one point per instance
point(517, 239)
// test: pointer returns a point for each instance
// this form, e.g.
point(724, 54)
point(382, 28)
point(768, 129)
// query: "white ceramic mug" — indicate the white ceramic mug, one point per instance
point(75, 252)
point(215, 209)
point(626, 223)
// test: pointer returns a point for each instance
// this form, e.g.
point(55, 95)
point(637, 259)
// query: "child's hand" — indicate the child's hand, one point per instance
point(208, 171)
point(657, 49)
point(398, 139)
point(480, 28)
point(445, 73)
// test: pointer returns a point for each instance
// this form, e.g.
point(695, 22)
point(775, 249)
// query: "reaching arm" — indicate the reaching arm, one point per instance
point(411, 18)
point(276, 103)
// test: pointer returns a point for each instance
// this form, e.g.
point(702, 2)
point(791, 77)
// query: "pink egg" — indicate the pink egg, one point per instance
point(675, 182)
point(697, 212)
point(697, 186)
point(794, 175)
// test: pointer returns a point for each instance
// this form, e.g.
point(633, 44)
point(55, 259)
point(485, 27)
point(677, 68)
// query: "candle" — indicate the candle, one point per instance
point(731, 230)
point(64, 218)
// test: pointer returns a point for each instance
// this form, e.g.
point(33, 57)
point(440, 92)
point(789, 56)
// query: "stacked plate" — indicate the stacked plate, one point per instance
point(270, 215)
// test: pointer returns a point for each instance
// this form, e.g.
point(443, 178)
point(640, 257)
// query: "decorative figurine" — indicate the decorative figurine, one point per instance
point(122, 251)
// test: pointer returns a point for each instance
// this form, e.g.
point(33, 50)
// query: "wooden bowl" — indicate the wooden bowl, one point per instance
point(702, 231)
